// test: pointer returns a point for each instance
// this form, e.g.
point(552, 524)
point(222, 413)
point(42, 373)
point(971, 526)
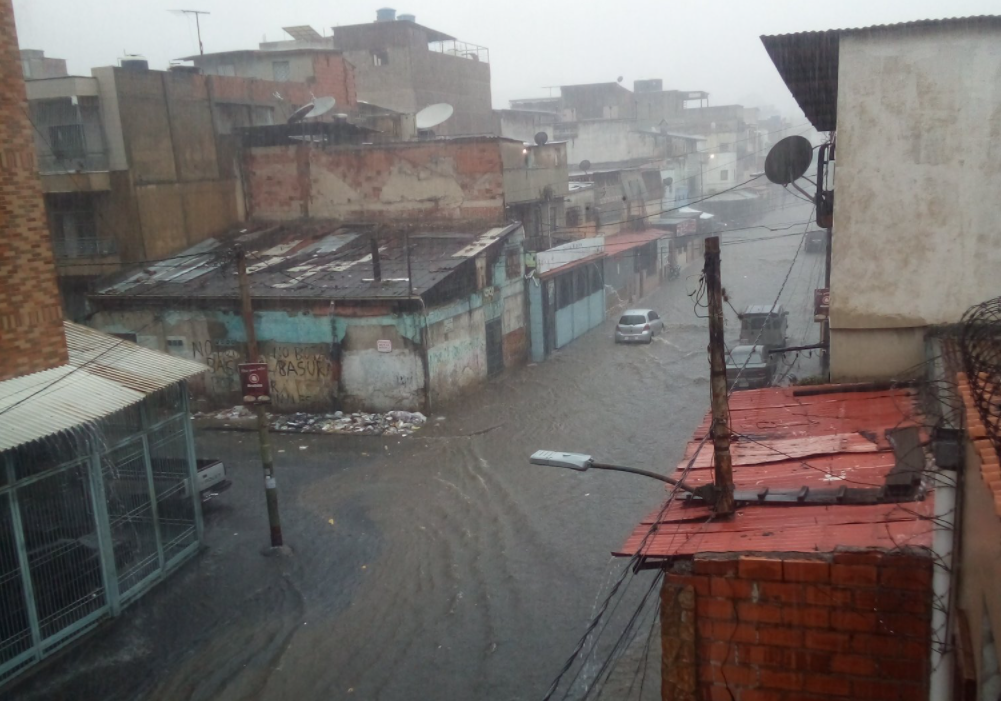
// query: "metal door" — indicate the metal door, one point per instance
point(495, 348)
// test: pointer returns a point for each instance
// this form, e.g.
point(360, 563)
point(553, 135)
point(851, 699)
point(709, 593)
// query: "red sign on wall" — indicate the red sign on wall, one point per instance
point(254, 383)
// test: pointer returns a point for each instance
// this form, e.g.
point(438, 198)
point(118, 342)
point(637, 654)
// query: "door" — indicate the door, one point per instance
point(495, 348)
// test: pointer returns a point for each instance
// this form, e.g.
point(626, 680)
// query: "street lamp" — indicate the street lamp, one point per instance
point(582, 463)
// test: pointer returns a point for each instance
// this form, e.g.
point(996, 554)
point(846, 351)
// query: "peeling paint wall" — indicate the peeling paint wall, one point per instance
point(433, 180)
point(919, 168)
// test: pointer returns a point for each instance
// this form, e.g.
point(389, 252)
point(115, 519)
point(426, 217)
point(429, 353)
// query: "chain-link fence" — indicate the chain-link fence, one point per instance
point(90, 521)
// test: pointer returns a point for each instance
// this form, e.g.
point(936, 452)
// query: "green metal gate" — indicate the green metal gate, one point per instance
point(82, 537)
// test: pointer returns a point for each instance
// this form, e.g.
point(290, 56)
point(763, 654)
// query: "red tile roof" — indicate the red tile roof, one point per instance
point(790, 438)
point(628, 240)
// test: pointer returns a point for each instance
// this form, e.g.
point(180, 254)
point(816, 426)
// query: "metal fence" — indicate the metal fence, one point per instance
point(90, 521)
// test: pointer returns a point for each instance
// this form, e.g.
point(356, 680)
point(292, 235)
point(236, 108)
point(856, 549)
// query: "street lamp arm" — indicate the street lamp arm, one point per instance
point(646, 473)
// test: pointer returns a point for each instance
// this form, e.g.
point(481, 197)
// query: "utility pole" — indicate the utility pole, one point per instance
point(253, 356)
point(723, 468)
point(198, 26)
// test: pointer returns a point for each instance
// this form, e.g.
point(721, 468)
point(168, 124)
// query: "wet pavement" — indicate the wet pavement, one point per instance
point(443, 565)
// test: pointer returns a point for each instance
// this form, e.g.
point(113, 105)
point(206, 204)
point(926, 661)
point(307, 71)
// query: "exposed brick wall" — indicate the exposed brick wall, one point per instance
point(334, 76)
point(31, 323)
point(845, 626)
point(433, 181)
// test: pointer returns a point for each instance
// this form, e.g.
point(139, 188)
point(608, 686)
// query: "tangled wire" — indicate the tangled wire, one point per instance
point(980, 347)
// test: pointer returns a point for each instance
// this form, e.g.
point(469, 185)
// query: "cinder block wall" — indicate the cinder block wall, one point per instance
point(852, 625)
point(31, 322)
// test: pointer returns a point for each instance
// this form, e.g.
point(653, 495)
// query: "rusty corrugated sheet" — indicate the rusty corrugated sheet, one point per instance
point(104, 375)
point(786, 440)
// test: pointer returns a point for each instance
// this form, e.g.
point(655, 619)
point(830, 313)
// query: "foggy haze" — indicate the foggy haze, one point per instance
point(690, 45)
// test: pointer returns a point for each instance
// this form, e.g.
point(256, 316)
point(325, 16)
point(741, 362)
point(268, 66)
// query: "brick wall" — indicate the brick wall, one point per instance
point(433, 181)
point(334, 76)
point(31, 325)
point(845, 626)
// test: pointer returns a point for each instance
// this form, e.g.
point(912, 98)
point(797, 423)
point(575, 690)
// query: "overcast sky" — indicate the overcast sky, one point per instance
point(709, 45)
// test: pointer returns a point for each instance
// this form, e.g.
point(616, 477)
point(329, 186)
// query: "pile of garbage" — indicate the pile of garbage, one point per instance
point(392, 423)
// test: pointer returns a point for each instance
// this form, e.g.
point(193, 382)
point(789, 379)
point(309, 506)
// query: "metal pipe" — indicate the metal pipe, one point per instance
point(646, 473)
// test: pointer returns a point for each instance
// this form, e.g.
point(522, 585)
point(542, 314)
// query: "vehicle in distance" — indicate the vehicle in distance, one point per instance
point(749, 367)
point(638, 326)
point(764, 325)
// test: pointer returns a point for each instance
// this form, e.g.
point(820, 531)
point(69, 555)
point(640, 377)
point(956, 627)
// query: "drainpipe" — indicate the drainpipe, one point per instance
point(425, 360)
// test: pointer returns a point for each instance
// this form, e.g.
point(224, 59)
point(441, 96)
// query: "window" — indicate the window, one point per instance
point(73, 224)
point(282, 71)
point(513, 264)
point(380, 57)
point(67, 141)
point(724, 174)
point(175, 345)
point(262, 116)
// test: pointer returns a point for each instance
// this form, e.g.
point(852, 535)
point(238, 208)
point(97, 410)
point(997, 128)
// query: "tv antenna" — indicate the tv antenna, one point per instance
point(198, 25)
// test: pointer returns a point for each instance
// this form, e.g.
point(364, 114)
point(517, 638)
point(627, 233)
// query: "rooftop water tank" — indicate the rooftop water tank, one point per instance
point(407, 18)
point(385, 14)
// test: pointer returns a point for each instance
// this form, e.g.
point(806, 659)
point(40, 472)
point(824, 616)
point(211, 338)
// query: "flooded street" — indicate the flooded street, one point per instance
point(441, 566)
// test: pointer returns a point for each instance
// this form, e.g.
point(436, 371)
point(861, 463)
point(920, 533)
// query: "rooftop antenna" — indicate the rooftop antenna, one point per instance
point(198, 25)
point(321, 105)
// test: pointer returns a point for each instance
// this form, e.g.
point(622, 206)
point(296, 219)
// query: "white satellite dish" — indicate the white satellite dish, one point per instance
point(321, 106)
point(433, 115)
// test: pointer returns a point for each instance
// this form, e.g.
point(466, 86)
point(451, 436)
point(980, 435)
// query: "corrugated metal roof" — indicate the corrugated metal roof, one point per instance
point(629, 240)
point(788, 440)
point(808, 62)
point(310, 260)
point(104, 375)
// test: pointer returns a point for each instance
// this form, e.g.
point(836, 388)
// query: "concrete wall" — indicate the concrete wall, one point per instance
point(608, 142)
point(533, 173)
point(915, 227)
point(316, 360)
point(432, 180)
point(522, 125)
point(598, 101)
point(31, 330)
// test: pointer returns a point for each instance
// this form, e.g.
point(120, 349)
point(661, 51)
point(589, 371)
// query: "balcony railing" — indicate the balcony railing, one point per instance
point(461, 49)
point(83, 247)
point(49, 164)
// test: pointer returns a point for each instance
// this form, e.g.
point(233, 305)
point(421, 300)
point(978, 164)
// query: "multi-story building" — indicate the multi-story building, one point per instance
point(136, 164)
point(394, 63)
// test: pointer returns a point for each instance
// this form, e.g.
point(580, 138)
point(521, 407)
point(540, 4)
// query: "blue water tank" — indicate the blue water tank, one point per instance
point(385, 14)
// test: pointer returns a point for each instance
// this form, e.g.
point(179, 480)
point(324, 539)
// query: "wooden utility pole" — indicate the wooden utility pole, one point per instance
point(723, 468)
point(253, 356)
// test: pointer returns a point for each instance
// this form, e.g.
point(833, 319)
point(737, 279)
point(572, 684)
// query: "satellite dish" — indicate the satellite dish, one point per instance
point(541, 138)
point(619, 79)
point(433, 115)
point(788, 160)
point(321, 106)
point(585, 165)
point(300, 113)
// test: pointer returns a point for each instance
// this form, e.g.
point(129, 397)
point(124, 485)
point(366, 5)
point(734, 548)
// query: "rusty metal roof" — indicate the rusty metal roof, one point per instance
point(628, 240)
point(808, 62)
point(309, 260)
point(788, 438)
point(104, 375)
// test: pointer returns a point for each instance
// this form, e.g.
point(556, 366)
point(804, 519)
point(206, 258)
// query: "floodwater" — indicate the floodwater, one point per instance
point(442, 566)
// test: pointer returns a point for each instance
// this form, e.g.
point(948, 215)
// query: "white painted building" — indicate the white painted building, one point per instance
point(916, 239)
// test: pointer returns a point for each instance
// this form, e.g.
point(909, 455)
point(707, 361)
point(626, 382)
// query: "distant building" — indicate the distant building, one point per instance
point(461, 179)
point(406, 66)
point(35, 65)
point(137, 164)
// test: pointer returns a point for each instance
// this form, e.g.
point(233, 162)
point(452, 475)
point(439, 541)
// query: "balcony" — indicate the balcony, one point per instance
point(72, 162)
point(83, 247)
